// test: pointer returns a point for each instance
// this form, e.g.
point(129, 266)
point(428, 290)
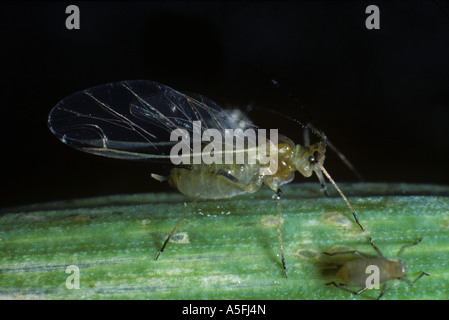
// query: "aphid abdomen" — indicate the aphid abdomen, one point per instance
point(216, 181)
point(355, 272)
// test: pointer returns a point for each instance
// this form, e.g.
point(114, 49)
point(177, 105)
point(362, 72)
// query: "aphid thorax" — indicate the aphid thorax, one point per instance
point(293, 158)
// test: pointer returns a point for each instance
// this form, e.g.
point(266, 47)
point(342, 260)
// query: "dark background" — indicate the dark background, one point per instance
point(381, 96)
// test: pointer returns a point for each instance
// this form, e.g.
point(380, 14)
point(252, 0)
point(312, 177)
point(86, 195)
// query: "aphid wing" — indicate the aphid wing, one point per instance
point(132, 119)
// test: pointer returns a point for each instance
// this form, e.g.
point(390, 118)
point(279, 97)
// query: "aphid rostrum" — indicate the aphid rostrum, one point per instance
point(133, 120)
point(355, 271)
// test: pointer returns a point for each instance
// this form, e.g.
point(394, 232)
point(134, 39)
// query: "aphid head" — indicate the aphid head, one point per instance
point(396, 269)
point(306, 159)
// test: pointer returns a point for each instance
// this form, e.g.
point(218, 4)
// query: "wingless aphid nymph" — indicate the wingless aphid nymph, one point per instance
point(353, 272)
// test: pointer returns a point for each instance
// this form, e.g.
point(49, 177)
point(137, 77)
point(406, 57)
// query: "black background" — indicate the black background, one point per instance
point(381, 96)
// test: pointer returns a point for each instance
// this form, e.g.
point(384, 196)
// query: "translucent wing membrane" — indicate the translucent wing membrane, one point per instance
point(134, 119)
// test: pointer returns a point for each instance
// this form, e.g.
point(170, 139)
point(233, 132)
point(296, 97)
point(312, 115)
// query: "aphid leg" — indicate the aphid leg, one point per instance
point(385, 290)
point(158, 177)
point(412, 283)
point(170, 235)
point(228, 176)
point(355, 252)
point(277, 199)
point(382, 291)
point(401, 251)
point(322, 182)
point(247, 187)
point(379, 253)
point(342, 287)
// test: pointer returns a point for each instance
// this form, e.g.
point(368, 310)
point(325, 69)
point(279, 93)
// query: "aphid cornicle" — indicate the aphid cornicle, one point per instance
point(133, 120)
point(355, 272)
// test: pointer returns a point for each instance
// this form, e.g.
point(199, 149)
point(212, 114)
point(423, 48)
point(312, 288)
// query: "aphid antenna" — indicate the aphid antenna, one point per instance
point(309, 125)
point(340, 155)
point(313, 128)
point(401, 251)
point(441, 8)
point(320, 134)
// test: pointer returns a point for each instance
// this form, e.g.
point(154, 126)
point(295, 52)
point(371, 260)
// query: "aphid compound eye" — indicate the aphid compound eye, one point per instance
point(316, 157)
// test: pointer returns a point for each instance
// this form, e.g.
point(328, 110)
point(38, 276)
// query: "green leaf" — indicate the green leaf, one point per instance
point(223, 249)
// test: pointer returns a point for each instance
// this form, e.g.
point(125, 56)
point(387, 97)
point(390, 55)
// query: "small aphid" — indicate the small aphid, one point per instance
point(362, 270)
point(135, 120)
